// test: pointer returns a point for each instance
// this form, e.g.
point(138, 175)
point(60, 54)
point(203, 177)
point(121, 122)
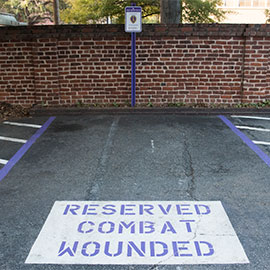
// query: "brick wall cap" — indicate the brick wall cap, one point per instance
point(25, 33)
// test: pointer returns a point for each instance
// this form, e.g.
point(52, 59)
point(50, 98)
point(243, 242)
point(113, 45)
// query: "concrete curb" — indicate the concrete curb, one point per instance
point(41, 111)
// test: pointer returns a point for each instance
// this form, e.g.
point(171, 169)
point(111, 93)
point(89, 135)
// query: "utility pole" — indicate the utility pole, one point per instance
point(56, 12)
point(170, 11)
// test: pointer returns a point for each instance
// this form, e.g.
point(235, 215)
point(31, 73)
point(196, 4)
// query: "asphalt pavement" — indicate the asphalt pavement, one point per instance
point(142, 158)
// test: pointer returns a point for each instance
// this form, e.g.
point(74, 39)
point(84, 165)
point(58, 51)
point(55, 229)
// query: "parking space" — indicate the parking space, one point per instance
point(11, 140)
point(163, 165)
point(15, 140)
point(257, 128)
point(8, 150)
point(254, 132)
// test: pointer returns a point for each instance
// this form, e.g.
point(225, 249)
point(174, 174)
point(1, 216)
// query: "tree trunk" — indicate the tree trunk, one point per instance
point(56, 12)
point(170, 11)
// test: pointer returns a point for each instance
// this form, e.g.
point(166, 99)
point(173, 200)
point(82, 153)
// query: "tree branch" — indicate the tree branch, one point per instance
point(150, 14)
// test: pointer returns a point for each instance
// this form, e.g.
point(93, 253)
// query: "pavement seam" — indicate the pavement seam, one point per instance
point(189, 169)
point(101, 168)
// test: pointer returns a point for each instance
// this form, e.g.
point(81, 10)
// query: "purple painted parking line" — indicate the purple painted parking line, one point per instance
point(24, 149)
point(246, 140)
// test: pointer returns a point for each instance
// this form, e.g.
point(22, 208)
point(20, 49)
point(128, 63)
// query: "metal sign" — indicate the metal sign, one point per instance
point(133, 19)
point(137, 232)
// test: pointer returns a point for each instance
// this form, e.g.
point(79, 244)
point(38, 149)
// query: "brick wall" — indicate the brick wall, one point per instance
point(66, 65)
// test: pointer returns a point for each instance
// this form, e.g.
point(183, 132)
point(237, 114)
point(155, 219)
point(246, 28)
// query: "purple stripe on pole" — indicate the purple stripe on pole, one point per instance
point(246, 140)
point(24, 149)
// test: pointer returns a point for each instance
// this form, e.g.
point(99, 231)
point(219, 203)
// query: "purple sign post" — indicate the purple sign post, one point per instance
point(133, 25)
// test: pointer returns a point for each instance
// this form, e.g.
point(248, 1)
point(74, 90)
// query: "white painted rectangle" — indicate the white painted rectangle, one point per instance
point(251, 117)
point(253, 128)
point(261, 142)
point(12, 139)
point(21, 124)
point(137, 232)
point(3, 161)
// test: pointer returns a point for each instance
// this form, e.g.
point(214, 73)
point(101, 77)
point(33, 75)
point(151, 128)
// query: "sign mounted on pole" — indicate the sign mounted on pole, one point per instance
point(133, 19)
point(133, 25)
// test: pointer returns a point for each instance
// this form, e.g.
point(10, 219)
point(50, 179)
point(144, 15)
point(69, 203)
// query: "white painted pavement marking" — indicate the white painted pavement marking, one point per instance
point(21, 124)
point(137, 232)
point(251, 117)
point(253, 128)
point(3, 161)
point(153, 146)
point(12, 139)
point(261, 142)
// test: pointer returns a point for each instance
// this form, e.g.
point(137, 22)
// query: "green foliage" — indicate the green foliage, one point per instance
point(258, 105)
point(98, 11)
point(115, 9)
point(177, 104)
point(31, 11)
point(200, 11)
point(3, 7)
point(82, 11)
point(267, 14)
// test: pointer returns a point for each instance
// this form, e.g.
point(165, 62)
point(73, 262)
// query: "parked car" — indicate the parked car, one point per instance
point(7, 19)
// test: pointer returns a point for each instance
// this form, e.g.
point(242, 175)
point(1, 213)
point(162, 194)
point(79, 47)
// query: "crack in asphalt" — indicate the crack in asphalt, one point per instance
point(189, 169)
point(155, 267)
